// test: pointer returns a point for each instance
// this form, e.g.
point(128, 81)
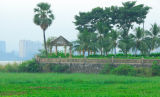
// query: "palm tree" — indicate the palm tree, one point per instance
point(78, 46)
point(43, 17)
point(125, 44)
point(84, 40)
point(154, 35)
point(93, 43)
point(102, 32)
point(145, 46)
point(107, 44)
point(114, 39)
point(138, 39)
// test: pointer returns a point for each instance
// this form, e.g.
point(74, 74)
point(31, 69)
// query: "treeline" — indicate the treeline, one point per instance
point(103, 30)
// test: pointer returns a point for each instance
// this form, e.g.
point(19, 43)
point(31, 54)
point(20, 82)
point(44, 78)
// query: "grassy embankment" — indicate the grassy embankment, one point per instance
point(77, 85)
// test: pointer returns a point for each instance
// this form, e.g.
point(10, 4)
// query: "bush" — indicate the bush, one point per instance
point(156, 69)
point(11, 67)
point(59, 68)
point(30, 66)
point(2, 68)
point(55, 68)
point(53, 55)
point(124, 70)
point(107, 68)
point(143, 71)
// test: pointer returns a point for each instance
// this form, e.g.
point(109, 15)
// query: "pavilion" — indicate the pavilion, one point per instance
point(61, 41)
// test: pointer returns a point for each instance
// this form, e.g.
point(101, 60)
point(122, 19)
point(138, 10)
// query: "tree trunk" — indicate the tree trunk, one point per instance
point(83, 52)
point(80, 52)
point(101, 51)
point(126, 53)
point(91, 52)
point(136, 52)
point(56, 51)
point(88, 52)
point(50, 50)
point(70, 51)
point(45, 46)
point(94, 52)
point(115, 52)
point(65, 50)
point(106, 53)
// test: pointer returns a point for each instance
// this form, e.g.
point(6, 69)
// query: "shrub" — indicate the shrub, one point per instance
point(30, 66)
point(124, 70)
point(156, 69)
point(143, 71)
point(107, 68)
point(55, 68)
point(53, 55)
point(2, 68)
point(11, 67)
point(59, 68)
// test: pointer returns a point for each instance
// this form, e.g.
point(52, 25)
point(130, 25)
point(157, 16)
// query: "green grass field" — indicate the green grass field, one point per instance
point(76, 85)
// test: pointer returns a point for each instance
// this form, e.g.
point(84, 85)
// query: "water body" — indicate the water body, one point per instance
point(9, 62)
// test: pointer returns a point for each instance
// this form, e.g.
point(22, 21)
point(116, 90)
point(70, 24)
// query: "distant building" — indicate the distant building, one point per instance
point(27, 48)
point(2, 48)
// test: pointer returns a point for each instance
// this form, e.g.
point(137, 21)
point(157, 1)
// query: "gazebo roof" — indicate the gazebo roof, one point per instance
point(61, 41)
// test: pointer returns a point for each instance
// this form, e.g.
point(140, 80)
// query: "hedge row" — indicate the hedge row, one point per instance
point(132, 71)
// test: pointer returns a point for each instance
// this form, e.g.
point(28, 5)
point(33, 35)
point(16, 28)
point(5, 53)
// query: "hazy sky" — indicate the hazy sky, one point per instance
point(16, 18)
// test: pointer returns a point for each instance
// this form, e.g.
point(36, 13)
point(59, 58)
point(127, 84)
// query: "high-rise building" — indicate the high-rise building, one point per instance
point(27, 48)
point(2, 48)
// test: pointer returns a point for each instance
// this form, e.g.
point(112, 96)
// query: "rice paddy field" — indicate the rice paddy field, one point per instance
point(77, 85)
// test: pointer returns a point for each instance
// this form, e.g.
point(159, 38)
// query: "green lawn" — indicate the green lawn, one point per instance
point(76, 85)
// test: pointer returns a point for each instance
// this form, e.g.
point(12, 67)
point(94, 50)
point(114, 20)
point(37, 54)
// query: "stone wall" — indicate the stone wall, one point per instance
point(94, 65)
point(144, 62)
point(85, 68)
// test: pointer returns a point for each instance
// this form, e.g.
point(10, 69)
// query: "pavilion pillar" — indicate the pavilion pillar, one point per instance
point(70, 52)
point(65, 50)
point(56, 50)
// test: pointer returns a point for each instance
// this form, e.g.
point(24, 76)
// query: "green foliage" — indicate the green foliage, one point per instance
point(60, 54)
point(43, 17)
point(11, 67)
point(78, 56)
point(30, 66)
point(107, 68)
point(55, 68)
point(156, 69)
point(2, 68)
point(127, 70)
point(143, 71)
point(118, 55)
point(103, 22)
point(124, 70)
point(59, 68)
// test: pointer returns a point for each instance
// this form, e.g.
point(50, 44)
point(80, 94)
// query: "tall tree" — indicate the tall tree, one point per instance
point(107, 44)
point(153, 37)
point(84, 38)
point(138, 39)
point(93, 43)
point(128, 15)
point(125, 44)
point(114, 39)
point(43, 17)
point(102, 33)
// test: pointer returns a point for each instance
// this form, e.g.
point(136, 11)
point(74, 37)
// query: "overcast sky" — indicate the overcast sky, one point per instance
point(16, 18)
